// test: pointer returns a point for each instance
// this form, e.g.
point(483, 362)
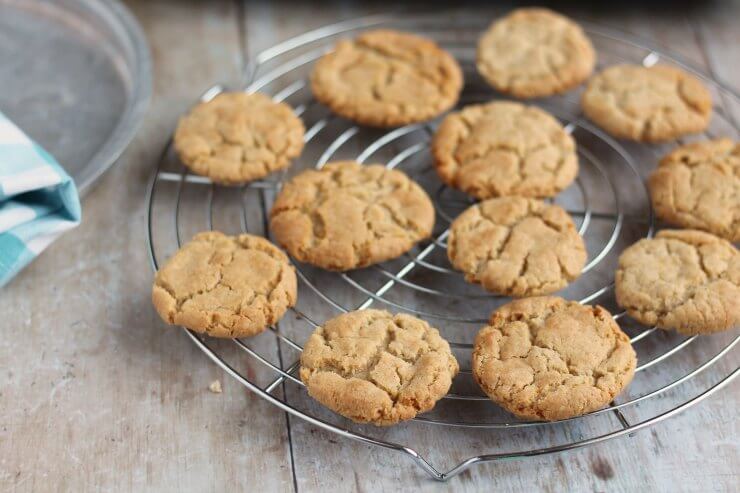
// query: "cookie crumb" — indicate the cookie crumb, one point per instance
point(215, 387)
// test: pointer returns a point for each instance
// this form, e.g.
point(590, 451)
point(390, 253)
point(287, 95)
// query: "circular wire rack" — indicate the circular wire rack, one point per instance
point(608, 202)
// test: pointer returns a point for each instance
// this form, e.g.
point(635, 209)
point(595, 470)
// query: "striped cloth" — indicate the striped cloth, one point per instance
point(38, 200)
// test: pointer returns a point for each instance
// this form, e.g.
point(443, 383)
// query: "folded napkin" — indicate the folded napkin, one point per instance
point(38, 200)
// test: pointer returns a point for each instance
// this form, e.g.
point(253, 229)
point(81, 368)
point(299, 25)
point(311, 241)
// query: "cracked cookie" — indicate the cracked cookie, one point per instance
point(698, 186)
point(347, 215)
point(387, 78)
point(237, 137)
point(535, 52)
point(374, 367)
point(504, 148)
point(685, 280)
point(547, 359)
point(225, 286)
point(647, 104)
point(516, 246)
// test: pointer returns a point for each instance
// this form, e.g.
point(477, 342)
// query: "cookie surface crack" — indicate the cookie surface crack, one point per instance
point(531, 359)
point(698, 186)
point(375, 367)
point(237, 137)
point(516, 246)
point(225, 286)
point(650, 104)
point(697, 287)
point(504, 148)
point(348, 215)
point(386, 78)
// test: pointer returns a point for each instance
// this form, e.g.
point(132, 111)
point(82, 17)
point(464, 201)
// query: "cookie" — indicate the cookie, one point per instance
point(516, 246)
point(348, 215)
point(698, 186)
point(237, 137)
point(387, 78)
point(504, 148)
point(225, 286)
point(374, 367)
point(685, 280)
point(647, 104)
point(535, 52)
point(547, 359)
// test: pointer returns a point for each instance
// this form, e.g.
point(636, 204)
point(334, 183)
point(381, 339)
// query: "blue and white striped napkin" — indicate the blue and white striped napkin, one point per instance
point(38, 200)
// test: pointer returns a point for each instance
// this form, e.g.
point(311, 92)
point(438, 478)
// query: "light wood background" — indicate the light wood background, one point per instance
point(95, 394)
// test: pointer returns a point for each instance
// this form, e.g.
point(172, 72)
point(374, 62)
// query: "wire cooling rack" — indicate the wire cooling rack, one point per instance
point(608, 202)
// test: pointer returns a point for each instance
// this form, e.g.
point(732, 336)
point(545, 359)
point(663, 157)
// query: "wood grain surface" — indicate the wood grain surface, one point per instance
point(96, 394)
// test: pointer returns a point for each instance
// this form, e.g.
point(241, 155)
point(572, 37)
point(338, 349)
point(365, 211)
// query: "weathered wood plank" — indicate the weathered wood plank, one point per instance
point(78, 322)
point(718, 35)
point(96, 393)
point(654, 459)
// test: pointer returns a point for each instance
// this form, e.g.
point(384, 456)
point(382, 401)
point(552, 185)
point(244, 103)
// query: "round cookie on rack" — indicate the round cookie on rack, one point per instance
point(547, 359)
point(386, 78)
point(374, 367)
point(225, 286)
point(237, 137)
point(535, 52)
point(647, 104)
point(504, 148)
point(347, 215)
point(685, 280)
point(698, 186)
point(516, 246)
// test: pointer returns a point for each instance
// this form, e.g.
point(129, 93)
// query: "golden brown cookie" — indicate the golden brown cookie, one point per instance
point(374, 367)
point(516, 246)
point(698, 186)
point(647, 104)
point(504, 148)
point(387, 78)
point(535, 52)
point(348, 215)
point(547, 359)
point(225, 286)
point(238, 137)
point(685, 280)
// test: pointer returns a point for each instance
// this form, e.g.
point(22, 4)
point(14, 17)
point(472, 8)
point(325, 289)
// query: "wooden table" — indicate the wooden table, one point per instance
point(96, 394)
